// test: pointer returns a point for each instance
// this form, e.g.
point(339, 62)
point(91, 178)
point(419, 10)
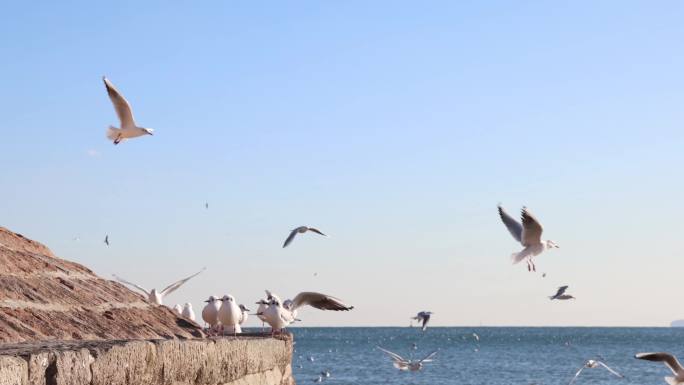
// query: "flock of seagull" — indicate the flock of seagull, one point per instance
point(225, 315)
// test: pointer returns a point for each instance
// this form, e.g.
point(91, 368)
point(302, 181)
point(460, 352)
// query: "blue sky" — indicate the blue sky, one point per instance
point(396, 127)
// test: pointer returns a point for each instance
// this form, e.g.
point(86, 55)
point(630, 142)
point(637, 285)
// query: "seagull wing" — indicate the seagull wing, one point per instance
point(532, 229)
point(131, 284)
point(319, 301)
point(577, 374)
point(667, 358)
point(428, 358)
point(317, 231)
point(395, 356)
point(513, 226)
point(610, 370)
point(290, 238)
point(426, 319)
point(123, 109)
point(561, 290)
point(174, 286)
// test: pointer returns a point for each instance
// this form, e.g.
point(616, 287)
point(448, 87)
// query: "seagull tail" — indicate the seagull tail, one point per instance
point(517, 257)
point(112, 132)
point(671, 380)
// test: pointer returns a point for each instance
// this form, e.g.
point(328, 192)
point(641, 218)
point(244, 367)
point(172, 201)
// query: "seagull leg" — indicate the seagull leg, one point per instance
point(117, 140)
point(534, 268)
point(528, 265)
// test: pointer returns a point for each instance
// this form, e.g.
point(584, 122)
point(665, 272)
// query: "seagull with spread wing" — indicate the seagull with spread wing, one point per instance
point(155, 296)
point(300, 230)
point(403, 364)
point(528, 234)
point(560, 294)
point(670, 361)
point(424, 317)
point(591, 364)
point(281, 314)
point(123, 111)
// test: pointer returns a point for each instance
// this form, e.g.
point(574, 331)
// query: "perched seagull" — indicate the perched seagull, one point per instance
point(187, 311)
point(560, 294)
point(243, 314)
point(403, 364)
point(280, 314)
point(178, 309)
point(106, 241)
point(123, 111)
point(263, 305)
point(528, 234)
point(670, 361)
point(155, 296)
point(301, 230)
point(424, 317)
point(210, 311)
point(229, 314)
point(591, 364)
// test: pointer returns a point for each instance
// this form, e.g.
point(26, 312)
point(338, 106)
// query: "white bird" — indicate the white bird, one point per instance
point(263, 305)
point(424, 317)
point(155, 296)
point(123, 111)
point(301, 230)
point(188, 312)
point(243, 314)
point(591, 364)
point(403, 364)
point(178, 309)
point(670, 361)
point(560, 294)
point(210, 311)
point(325, 373)
point(477, 338)
point(528, 234)
point(229, 314)
point(281, 314)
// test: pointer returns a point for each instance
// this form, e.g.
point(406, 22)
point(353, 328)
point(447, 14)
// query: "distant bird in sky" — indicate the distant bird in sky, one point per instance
point(75, 239)
point(591, 364)
point(424, 317)
point(106, 241)
point(403, 364)
point(155, 296)
point(528, 234)
point(560, 294)
point(670, 361)
point(301, 230)
point(188, 312)
point(210, 311)
point(281, 314)
point(206, 205)
point(229, 314)
point(178, 309)
point(123, 111)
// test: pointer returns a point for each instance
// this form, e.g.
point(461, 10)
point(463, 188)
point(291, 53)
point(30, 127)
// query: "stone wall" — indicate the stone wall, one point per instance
point(244, 360)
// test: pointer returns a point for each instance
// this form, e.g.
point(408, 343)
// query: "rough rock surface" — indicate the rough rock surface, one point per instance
point(43, 297)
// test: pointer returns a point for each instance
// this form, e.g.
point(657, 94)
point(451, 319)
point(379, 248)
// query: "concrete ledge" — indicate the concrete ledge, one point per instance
point(243, 360)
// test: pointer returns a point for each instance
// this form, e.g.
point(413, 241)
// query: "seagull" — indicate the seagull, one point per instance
point(243, 314)
point(263, 305)
point(670, 361)
point(403, 364)
point(591, 364)
point(187, 311)
point(528, 234)
point(477, 338)
point(560, 294)
point(106, 241)
point(325, 373)
point(229, 314)
point(280, 314)
point(301, 230)
point(123, 111)
point(206, 205)
point(210, 311)
point(155, 296)
point(424, 317)
point(178, 309)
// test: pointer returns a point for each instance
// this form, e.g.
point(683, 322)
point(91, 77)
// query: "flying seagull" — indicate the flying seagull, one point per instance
point(560, 294)
point(403, 364)
point(528, 234)
point(670, 361)
point(301, 230)
point(106, 241)
point(424, 317)
point(123, 111)
point(280, 314)
point(155, 296)
point(591, 364)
